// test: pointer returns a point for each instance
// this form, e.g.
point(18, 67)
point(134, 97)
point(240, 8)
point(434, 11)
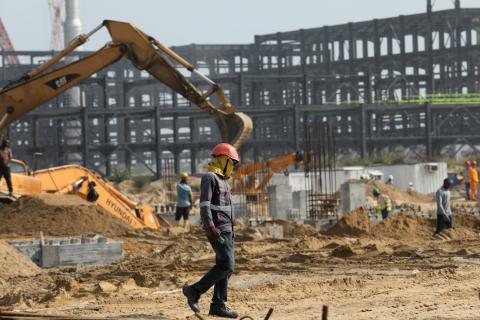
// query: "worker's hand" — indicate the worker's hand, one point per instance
point(213, 233)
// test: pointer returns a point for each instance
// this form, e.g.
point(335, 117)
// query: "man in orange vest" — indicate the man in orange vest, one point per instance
point(473, 180)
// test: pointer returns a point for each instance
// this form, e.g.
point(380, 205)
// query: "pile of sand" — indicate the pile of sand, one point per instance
point(396, 194)
point(14, 264)
point(354, 223)
point(58, 215)
point(152, 193)
point(291, 229)
point(403, 225)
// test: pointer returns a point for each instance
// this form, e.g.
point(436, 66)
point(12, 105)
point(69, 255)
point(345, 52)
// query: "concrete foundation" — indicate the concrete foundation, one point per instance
point(279, 201)
point(352, 196)
point(299, 204)
point(57, 252)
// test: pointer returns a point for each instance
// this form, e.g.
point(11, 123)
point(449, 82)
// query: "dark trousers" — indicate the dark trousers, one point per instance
point(221, 271)
point(467, 189)
point(182, 212)
point(5, 172)
point(442, 222)
point(385, 213)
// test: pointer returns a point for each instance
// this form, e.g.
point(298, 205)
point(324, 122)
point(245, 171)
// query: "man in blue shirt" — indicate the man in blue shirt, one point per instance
point(184, 201)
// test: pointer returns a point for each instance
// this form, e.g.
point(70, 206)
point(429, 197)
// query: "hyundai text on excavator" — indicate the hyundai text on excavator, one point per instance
point(146, 53)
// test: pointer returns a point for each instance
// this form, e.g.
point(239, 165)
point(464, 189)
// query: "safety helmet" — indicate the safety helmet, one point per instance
point(474, 163)
point(225, 149)
point(184, 175)
point(376, 191)
point(467, 163)
point(410, 183)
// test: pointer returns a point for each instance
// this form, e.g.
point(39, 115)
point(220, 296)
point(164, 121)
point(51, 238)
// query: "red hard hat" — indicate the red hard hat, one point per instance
point(474, 163)
point(467, 163)
point(225, 149)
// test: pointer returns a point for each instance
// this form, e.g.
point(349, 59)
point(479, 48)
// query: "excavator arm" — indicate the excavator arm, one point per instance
point(269, 167)
point(146, 53)
point(74, 179)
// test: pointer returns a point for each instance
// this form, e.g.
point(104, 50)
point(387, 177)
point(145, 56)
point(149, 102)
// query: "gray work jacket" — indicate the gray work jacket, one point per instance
point(216, 203)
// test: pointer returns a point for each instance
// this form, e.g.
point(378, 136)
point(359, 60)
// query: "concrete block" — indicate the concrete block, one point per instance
point(299, 204)
point(71, 251)
point(50, 256)
point(352, 195)
point(279, 201)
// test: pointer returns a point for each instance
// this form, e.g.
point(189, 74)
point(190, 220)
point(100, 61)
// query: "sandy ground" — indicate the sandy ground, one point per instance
point(392, 270)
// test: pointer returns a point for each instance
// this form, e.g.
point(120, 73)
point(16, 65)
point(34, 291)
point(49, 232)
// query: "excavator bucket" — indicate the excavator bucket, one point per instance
point(147, 53)
point(235, 127)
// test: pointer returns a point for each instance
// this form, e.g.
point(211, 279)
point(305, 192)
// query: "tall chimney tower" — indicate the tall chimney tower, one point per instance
point(73, 25)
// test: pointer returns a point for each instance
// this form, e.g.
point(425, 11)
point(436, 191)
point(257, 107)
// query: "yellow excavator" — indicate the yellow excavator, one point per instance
point(45, 82)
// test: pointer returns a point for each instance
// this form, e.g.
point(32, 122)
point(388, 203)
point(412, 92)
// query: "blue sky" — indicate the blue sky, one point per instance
point(177, 22)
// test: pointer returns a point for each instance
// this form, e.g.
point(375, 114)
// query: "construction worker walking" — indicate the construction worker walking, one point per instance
point(466, 179)
point(384, 203)
point(444, 212)
point(184, 201)
point(5, 157)
point(217, 216)
point(473, 174)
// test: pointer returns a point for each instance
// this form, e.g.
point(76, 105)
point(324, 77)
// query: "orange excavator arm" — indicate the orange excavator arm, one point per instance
point(146, 53)
point(271, 166)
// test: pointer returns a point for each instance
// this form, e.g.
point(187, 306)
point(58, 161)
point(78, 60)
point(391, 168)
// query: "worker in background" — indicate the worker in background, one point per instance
point(473, 174)
point(184, 201)
point(384, 203)
point(5, 157)
point(92, 194)
point(389, 180)
point(466, 179)
point(410, 189)
point(444, 212)
point(217, 216)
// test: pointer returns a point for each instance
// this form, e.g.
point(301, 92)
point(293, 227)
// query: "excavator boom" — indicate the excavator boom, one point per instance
point(75, 179)
point(146, 53)
point(269, 167)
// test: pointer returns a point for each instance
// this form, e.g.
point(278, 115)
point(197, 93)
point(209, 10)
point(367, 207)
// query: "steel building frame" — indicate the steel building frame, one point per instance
point(377, 81)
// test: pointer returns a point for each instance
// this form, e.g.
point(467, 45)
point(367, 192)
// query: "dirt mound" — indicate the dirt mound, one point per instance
point(58, 215)
point(15, 264)
point(396, 194)
point(404, 226)
point(354, 223)
point(153, 193)
point(344, 251)
point(292, 229)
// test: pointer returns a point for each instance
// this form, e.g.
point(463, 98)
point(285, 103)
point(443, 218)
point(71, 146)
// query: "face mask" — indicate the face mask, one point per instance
point(222, 166)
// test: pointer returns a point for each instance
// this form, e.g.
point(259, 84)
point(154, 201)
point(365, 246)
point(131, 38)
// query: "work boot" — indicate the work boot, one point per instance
point(220, 310)
point(192, 297)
